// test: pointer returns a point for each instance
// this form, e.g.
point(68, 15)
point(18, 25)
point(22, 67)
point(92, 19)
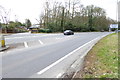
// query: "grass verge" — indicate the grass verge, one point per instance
point(102, 60)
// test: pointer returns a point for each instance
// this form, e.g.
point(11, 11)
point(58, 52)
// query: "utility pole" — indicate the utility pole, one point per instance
point(118, 9)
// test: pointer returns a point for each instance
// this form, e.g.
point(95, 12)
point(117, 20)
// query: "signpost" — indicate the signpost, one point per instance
point(119, 14)
point(119, 11)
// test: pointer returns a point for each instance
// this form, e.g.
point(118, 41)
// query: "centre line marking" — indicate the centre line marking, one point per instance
point(61, 59)
point(25, 44)
point(40, 42)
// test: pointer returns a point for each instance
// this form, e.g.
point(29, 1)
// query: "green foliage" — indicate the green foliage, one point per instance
point(0, 24)
point(13, 25)
point(44, 31)
point(105, 58)
point(28, 23)
point(69, 26)
point(89, 18)
point(58, 18)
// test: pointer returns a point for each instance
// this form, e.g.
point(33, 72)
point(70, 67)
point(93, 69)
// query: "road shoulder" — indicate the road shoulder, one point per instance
point(102, 60)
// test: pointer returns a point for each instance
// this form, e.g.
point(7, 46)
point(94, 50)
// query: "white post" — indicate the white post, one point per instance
point(109, 29)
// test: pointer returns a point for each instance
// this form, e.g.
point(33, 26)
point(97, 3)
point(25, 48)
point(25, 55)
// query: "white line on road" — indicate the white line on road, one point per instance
point(61, 59)
point(15, 38)
point(25, 44)
point(24, 37)
point(1, 52)
point(40, 42)
point(59, 38)
point(69, 36)
point(59, 75)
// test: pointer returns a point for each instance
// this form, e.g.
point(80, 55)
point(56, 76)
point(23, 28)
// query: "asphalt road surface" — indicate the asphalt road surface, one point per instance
point(28, 62)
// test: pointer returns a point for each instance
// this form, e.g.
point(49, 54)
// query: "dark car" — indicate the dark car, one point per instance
point(68, 32)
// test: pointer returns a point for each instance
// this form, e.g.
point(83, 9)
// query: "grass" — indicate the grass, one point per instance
point(102, 60)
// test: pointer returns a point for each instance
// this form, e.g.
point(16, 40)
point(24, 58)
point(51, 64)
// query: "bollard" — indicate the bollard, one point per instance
point(2, 41)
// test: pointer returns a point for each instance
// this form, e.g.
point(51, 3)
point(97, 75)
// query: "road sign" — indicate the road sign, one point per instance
point(113, 25)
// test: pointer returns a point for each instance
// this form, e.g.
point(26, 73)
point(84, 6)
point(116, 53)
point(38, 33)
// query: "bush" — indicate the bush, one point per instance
point(44, 31)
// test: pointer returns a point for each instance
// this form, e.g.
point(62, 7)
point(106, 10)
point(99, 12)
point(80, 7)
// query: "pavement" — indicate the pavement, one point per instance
point(3, 48)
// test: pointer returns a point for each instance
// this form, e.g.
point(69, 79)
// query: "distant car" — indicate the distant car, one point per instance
point(68, 32)
point(102, 30)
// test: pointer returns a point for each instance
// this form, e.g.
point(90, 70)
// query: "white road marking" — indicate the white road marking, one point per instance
point(40, 42)
point(15, 38)
point(58, 38)
point(82, 56)
point(25, 44)
point(59, 75)
point(24, 37)
point(69, 36)
point(61, 59)
point(1, 52)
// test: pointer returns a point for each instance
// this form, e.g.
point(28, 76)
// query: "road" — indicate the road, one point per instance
point(36, 61)
point(26, 37)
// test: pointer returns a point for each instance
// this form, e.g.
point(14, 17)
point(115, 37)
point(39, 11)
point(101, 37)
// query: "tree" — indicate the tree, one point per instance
point(74, 16)
point(28, 23)
point(5, 16)
point(0, 24)
point(74, 3)
point(62, 20)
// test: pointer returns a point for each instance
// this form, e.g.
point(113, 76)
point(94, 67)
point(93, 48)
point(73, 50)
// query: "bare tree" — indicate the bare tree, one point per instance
point(74, 6)
point(5, 16)
point(59, 16)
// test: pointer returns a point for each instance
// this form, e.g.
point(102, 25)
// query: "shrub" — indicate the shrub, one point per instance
point(44, 31)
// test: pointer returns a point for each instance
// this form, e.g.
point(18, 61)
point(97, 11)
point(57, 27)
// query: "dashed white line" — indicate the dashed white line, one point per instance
point(25, 44)
point(40, 42)
point(58, 38)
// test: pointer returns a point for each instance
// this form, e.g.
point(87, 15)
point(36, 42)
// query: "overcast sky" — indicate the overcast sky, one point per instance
point(31, 9)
